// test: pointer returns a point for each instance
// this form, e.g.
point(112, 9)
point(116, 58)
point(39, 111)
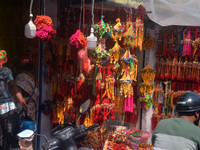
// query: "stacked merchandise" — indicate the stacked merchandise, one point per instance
point(131, 139)
point(177, 69)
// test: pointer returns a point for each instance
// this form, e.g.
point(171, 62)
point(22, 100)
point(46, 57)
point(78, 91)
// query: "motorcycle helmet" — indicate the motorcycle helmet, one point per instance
point(24, 60)
point(188, 102)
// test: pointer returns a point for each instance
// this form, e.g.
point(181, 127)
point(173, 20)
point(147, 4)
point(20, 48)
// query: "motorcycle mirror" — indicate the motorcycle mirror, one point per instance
point(84, 107)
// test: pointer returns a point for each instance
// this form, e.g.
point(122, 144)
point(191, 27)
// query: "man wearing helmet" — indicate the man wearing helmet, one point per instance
point(8, 111)
point(180, 133)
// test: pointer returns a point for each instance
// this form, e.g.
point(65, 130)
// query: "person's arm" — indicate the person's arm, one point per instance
point(15, 91)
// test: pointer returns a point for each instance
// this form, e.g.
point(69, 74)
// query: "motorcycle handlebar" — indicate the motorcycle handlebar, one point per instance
point(93, 127)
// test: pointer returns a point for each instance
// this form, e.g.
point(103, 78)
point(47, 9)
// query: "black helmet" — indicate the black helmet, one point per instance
point(188, 102)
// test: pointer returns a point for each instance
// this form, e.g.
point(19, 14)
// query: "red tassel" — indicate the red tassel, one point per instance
point(198, 88)
point(185, 87)
point(181, 86)
point(154, 122)
point(174, 86)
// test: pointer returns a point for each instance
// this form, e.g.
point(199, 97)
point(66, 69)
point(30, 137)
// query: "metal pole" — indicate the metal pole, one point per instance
point(41, 81)
point(143, 67)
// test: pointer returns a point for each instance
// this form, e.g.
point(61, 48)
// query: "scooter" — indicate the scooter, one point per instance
point(66, 136)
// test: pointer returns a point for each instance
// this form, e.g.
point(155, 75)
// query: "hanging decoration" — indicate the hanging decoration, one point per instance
point(99, 53)
point(118, 31)
point(117, 34)
point(148, 42)
point(146, 87)
point(78, 40)
point(140, 27)
point(129, 35)
point(103, 29)
point(105, 76)
point(196, 41)
point(115, 53)
point(45, 31)
point(187, 50)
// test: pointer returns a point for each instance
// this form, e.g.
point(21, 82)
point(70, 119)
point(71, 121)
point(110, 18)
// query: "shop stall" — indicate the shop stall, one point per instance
point(131, 66)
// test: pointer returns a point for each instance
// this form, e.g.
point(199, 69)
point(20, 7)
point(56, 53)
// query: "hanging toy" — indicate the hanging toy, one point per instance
point(118, 31)
point(99, 53)
point(3, 57)
point(129, 36)
point(117, 34)
point(148, 42)
point(128, 59)
point(140, 26)
point(146, 87)
point(45, 31)
point(78, 40)
point(115, 53)
point(102, 29)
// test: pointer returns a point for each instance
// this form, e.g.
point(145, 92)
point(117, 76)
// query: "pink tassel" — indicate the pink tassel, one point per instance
point(81, 59)
point(187, 43)
point(87, 66)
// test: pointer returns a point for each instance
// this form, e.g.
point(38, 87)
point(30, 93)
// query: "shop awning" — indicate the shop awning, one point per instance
point(174, 12)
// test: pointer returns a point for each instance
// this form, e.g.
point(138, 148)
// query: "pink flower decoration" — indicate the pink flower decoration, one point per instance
point(45, 33)
point(78, 40)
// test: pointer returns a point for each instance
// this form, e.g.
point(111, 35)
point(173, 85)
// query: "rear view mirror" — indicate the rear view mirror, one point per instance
point(84, 107)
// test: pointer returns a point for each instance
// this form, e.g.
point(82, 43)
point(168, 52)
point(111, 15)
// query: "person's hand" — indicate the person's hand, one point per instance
point(23, 103)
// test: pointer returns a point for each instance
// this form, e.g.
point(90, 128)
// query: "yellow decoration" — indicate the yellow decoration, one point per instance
point(148, 42)
point(58, 49)
point(148, 74)
point(134, 70)
point(47, 54)
point(129, 36)
point(195, 44)
point(114, 53)
point(139, 33)
point(146, 87)
point(118, 31)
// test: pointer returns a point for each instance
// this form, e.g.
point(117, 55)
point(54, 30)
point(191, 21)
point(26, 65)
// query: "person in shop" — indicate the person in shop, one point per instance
point(182, 132)
point(9, 96)
point(28, 86)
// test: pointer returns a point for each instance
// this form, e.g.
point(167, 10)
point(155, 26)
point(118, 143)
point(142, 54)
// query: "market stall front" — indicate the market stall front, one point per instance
point(132, 60)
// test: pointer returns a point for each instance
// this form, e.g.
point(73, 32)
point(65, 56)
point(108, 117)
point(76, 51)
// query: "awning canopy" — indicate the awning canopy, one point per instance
point(174, 12)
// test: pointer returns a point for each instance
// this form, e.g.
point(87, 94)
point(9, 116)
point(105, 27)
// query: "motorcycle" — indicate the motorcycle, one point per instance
point(65, 136)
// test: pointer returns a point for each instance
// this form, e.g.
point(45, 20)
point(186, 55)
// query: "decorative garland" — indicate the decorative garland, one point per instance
point(78, 40)
point(45, 31)
point(103, 29)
